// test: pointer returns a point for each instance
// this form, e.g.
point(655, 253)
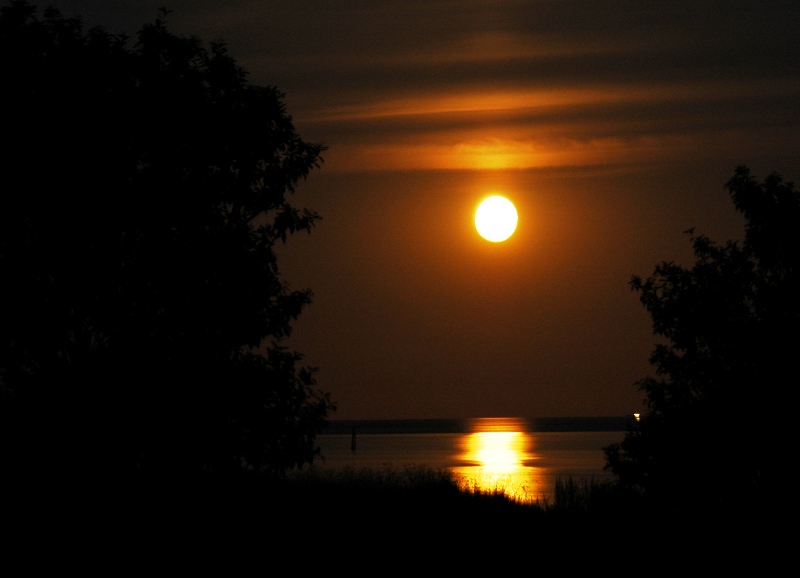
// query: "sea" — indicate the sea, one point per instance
point(520, 457)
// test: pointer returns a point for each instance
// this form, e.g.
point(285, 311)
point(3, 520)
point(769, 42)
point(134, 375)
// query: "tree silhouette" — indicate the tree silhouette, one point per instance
point(145, 189)
point(715, 435)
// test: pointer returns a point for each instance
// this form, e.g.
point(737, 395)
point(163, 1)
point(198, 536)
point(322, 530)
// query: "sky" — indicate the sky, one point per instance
point(612, 125)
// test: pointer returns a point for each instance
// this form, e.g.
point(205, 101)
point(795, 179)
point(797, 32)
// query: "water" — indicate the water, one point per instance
point(522, 458)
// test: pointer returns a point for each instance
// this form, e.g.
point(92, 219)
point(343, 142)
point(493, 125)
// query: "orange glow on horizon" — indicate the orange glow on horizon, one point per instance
point(502, 153)
point(496, 154)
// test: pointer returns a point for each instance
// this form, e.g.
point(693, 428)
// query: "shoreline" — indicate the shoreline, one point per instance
point(540, 424)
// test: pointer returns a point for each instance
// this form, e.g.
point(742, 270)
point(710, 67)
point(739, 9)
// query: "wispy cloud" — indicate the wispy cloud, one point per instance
point(510, 83)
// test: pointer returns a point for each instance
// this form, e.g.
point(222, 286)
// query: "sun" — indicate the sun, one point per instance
point(496, 219)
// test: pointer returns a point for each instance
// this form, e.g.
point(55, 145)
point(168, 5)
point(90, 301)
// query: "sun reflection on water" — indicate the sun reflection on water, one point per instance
point(497, 454)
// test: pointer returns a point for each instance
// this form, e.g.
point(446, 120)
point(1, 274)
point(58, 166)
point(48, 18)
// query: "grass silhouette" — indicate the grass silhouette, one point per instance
point(379, 520)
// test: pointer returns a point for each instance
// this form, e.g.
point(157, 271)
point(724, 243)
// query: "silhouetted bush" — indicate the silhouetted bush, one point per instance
point(715, 440)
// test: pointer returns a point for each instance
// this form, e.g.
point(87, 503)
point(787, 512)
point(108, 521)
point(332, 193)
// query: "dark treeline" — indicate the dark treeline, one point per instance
point(464, 426)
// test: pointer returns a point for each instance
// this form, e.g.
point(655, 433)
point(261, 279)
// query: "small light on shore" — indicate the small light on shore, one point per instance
point(636, 416)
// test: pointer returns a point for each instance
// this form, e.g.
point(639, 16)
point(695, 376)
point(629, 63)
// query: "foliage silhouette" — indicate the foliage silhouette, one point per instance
point(145, 191)
point(714, 436)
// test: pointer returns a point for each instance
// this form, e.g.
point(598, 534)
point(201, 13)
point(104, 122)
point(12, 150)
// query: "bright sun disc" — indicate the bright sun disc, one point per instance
point(496, 219)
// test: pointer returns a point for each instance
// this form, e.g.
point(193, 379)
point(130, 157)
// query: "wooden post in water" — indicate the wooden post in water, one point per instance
point(353, 439)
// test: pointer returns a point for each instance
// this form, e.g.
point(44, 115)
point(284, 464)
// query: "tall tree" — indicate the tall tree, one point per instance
point(716, 434)
point(145, 189)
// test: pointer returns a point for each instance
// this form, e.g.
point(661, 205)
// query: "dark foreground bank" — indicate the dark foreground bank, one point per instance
point(370, 522)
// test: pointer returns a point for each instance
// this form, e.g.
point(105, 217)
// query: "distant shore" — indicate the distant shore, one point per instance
point(540, 424)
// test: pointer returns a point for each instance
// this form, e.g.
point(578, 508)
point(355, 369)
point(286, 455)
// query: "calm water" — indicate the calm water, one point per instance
point(520, 457)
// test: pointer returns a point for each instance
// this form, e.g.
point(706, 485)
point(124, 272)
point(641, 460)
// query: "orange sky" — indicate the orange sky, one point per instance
point(612, 126)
